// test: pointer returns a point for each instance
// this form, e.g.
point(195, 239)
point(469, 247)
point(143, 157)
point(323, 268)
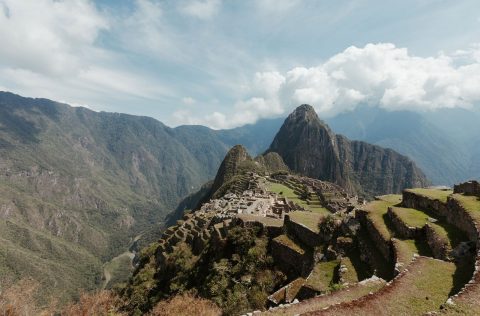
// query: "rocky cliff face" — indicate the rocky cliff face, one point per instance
point(308, 146)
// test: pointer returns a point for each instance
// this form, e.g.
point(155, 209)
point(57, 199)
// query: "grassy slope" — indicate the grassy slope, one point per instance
point(89, 180)
point(308, 219)
point(425, 287)
point(322, 275)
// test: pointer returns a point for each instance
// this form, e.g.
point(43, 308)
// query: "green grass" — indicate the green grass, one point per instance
point(286, 241)
point(308, 219)
point(350, 276)
point(435, 194)
point(418, 219)
point(377, 211)
point(118, 270)
point(322, 275)
point(290, 194)
point(411, 217)
point(390, 198)
point(425, 287)
point(406, 248)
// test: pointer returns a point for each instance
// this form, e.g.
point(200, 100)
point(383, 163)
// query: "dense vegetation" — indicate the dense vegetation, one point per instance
point(237, 274)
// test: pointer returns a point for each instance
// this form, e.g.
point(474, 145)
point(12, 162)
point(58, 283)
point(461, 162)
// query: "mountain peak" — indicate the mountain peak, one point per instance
point(304, 112)
point(309, 147)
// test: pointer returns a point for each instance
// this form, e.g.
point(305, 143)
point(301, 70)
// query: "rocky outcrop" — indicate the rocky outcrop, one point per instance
point(272, 162)
point(308, 146)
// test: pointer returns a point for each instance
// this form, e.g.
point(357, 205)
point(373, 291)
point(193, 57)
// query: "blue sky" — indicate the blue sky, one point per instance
point(228, 63)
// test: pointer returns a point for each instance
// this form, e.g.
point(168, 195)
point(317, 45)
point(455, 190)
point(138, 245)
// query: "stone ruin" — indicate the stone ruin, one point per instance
point(468, 188)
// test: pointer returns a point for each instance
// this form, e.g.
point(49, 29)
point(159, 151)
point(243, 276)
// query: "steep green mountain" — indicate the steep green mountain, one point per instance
point(309, 147)
point(76, 186)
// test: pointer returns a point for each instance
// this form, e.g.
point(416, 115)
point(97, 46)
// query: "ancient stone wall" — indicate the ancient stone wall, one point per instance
point(290, 261)
point(303, 233)
point(468, 188)
point(439, 246)
point(402, 229)
point(382, 245)
point(412, 200)
point(462, 219)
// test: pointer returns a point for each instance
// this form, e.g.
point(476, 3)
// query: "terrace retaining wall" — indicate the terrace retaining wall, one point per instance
point(290, 261)
point(402, 229)
point(303, 233)
point(382, 245)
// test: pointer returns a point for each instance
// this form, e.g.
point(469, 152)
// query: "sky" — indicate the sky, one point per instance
point(226, 63)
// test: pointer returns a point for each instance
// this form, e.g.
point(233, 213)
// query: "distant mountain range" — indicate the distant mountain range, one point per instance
point(77, 186)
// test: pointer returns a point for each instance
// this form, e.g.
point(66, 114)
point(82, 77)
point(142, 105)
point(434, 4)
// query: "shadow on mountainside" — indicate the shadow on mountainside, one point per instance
point(17, 117)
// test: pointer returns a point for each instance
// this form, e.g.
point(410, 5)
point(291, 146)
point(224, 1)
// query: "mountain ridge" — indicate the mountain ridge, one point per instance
point(308, 146)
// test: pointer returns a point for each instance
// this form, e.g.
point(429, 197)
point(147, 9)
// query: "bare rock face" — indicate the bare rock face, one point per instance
point(308, 146)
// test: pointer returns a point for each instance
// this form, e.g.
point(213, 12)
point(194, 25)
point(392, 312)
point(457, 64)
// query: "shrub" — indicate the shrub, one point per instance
point(102, 303)
point(186, 304)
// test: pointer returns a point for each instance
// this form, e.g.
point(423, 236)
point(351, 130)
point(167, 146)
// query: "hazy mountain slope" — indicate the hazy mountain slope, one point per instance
point(254, 137)
point(76, 181)
point(309, 147)
point(424, 138)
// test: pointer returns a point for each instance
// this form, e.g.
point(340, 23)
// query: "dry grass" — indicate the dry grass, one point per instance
point(102, 303)
point(186, 304)
point(17, 299)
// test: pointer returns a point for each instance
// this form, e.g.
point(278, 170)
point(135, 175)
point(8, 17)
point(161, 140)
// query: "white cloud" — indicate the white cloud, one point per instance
point(243, 112)
point(189, 100)
point(378, 75)
point(49, 49)
point(50, 37)
point(276, 6)
point(202, 9)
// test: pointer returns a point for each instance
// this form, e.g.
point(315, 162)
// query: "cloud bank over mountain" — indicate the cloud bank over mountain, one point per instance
point(380, 75)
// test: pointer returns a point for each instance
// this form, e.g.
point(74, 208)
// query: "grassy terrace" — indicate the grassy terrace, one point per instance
point(322, 275)
point(378, 211)
point(267, 221)
point(320, 302)
point(308, 219)
point(350, 276)
point(290, 194)
point(425, 287)
point(406, 248)
point(284, 240)
point(435, 194)
point(417, 218)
